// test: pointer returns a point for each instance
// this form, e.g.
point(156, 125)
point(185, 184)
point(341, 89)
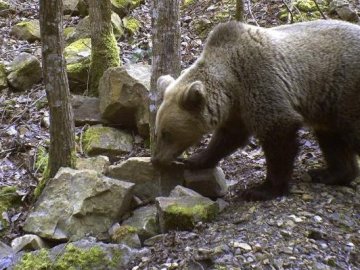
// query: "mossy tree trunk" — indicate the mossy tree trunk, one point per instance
point(239, 15)
point(166, 50)
point(104, 50)
point(62, 135)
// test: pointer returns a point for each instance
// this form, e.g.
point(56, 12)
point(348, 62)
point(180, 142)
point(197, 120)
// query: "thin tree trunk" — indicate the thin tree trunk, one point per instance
point(104, 53)
point(239, 15)
point(166, 50)
point(62, 136)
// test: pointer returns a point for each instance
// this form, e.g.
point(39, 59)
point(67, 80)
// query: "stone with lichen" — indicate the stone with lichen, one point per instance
point(27, 30)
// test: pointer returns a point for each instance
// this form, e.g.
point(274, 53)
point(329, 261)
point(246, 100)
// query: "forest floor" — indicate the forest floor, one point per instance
point(315, 227)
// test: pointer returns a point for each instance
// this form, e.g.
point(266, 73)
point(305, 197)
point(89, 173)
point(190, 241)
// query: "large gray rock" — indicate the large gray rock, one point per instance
point(83, 254)
point(123, 93)
point(76, 203)
point(3, 80)
point(141, 172)
point(98, 163)
point(27, 30)
point(183, 213)
point(86, 110)
point(145, 220)
point(107, 141)
point(77, 56)
point(24, 72)
point(209, 183)
point(343, 10)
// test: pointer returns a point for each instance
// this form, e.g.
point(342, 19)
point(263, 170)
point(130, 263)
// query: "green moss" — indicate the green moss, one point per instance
point(199, 210)
point(103, 59)
point(42, 159)
point(185, 217)
point(68, 32)
point(72, 258)
point(123, 232)
point(8, 199)
point(90, 136)
point(132, 25)
point(77, 46)
point(35, 261)
point(187, 3)
point(4, 5)
point(306, 5)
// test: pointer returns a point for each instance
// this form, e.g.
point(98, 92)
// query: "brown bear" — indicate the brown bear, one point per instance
point(268, 83)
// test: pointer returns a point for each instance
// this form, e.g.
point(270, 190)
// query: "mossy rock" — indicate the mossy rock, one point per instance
point(131, 25)
point(71, 257)
point(202, 27)
point(4, 5)
point(3, 80)
point(183, 213)
point(187, 3)
point(78, 57)
point(107, 141)
point(123, 7)
point(27, 30)
point(8, 199)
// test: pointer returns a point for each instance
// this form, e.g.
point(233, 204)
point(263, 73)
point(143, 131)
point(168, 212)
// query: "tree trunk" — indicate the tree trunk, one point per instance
point(104, 50)
point(62, 138)
point(166, 50)
point(239, 15)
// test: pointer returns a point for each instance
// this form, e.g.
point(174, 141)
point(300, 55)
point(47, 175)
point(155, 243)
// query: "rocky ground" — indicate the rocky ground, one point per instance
point(315, 227)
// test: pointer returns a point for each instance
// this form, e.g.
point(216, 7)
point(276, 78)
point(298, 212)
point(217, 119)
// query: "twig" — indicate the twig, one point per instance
point(289, 10)
point(317, 6)
point(250, 12)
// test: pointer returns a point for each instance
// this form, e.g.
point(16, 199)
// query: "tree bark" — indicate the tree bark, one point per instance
point(104, 50)
point(166, 50)
point(62, 136)
point(239, 15)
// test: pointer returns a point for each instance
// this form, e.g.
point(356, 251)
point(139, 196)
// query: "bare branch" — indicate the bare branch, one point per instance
point(319, 9)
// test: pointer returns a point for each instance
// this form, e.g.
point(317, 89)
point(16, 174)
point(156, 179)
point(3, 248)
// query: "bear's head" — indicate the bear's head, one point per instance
point(180, 120)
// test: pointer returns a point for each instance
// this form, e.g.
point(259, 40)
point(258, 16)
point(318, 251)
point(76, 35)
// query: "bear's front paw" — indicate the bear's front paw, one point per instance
point(198, 162)
point(263, 192)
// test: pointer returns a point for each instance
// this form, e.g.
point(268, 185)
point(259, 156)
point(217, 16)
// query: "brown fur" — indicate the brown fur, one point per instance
point(268, 83)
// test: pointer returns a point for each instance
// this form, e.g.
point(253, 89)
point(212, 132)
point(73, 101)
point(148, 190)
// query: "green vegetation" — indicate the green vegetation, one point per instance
point(71, 259)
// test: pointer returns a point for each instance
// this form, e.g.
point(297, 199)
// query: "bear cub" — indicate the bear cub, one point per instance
point(268, 83)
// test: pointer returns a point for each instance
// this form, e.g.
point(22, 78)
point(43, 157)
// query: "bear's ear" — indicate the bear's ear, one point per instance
point(193, 98)
point(162, 83)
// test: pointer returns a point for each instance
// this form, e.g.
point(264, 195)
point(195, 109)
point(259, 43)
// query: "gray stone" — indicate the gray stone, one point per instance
point(144, 219)
point(77, 56)
point(209, 183)
point(24, 72)
point(123, 93)
point(27, 242)
point(141, 172)
point(183, 213)
point(107, 141)
point(98, 163)
point(76, 203)
point(70, 7)
point(27, 30)
point(86, 110)
point(180, 191)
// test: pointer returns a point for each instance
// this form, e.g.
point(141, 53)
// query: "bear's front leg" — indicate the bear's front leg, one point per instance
point(280, 152)
point(223, 142)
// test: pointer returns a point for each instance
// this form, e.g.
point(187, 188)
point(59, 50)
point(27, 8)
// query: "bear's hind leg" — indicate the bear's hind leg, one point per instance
point(280, 152)
point(340, 157)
